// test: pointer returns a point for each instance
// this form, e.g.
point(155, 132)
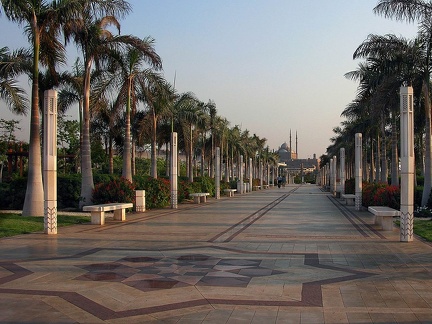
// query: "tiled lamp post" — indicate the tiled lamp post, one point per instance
point(407, 164)
point(174, 171)
point(50, 162)
point(358, 171)
point(217, 173)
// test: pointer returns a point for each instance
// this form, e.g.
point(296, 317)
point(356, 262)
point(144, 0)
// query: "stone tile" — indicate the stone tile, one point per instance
point(314, 266)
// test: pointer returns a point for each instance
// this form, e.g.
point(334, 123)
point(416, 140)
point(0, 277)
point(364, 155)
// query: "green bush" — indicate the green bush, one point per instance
point(13, 193)
point(158, 193)
point(68, 190)
point(114, 191)
point(206, 184)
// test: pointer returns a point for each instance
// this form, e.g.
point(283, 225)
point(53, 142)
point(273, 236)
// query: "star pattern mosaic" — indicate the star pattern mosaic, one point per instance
point(150, 273)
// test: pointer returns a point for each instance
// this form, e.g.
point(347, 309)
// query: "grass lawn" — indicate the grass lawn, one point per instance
point(422, 228)
point(15, 224)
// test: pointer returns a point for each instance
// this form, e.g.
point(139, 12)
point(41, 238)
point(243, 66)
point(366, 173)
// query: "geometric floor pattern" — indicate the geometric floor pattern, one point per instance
point(150, 273)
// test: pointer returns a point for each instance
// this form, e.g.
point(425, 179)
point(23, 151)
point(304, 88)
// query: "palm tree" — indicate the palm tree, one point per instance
point(13, 64)
point(421, 11)
point(128, 79)
point(71, 90)
point(391, 61)
point(191, 118)
point(42, 22)
point(156, 93)
point(90, 32)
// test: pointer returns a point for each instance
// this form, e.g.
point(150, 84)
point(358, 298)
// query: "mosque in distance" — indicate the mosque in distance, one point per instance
point(289, 161)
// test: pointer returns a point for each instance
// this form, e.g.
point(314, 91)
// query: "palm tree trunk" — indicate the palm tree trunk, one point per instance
point(127, 170)
point(372, 163)
point(428, 149)
point(167, 159)
point(154, 149)
point(378, 162)
point(87, 183)
point(395, 155)
point(34, 197)
point(383, 153)
point(110, 155)
point(191, 176)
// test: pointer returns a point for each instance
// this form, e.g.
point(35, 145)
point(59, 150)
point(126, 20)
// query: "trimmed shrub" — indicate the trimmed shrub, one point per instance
point(350, 186)
point(207, 184)
point(13, 193)
point(380, 194)
point(157, 191)
point(68, 190)
point(418, 193)
point(114, 191)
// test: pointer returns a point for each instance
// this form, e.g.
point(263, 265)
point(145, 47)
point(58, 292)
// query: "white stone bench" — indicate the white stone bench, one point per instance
point(266, 186)
point(384, 216)
point(199, 197)
point(98, 211)
point(230, 192)
point(256, 187)
point(349, 199)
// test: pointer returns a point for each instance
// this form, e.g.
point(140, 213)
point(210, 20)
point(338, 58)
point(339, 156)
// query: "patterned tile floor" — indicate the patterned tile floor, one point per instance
point(288, 255)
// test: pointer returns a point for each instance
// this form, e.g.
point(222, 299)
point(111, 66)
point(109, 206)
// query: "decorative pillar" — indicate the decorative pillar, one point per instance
point(50, 162)
point(342, 170)
point(407, 164)
point(140, 205)
point(358, 171)
point(334, 184)
point(261, 175)
point(174, 171)
point(250, 174)
point(217, 173)
point(241, 174)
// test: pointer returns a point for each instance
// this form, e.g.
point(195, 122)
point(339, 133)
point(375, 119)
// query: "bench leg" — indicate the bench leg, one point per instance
point(349, 201)
point(203, 199)
point(98, 217)
point(120, 214)
point(196, 199)
point(378, 220)
point(387, 223)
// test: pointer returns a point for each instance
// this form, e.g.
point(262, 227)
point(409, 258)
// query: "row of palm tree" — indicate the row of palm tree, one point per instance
point(117, 84)
point(390, 62)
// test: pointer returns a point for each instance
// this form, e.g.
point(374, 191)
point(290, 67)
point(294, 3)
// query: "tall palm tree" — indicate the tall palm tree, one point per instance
point(12, 64)
point(156, 93)
point(42, 20)
point(90, 32)
point(128, 78)
point(421, 11)
point(391, 61)
point(191, 118)
point(71, 90)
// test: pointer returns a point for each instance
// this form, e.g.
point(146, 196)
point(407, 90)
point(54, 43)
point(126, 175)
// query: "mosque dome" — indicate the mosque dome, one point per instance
point(284, 146)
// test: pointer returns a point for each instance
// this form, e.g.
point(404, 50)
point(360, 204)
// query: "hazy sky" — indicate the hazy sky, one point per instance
point(269, 65)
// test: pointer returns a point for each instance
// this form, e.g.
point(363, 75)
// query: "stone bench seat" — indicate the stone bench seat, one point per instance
point(256, 187)
point(230, 192)
point(349, 199)
point(98, 211)
point(199, 197)
point(384, 216)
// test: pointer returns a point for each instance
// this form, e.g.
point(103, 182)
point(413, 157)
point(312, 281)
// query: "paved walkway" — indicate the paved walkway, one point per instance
point(288, 255)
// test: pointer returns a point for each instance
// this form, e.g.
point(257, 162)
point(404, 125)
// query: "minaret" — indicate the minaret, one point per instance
point(290, 147)
point(297, 146)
